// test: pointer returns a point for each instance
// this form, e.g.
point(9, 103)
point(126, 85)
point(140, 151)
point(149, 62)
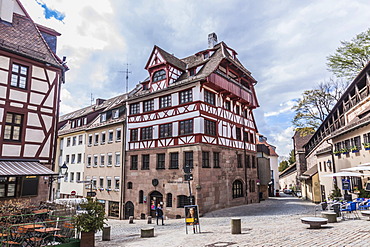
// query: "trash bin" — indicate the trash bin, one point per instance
point(260, 196)
point(106, 233)
point(336, 208)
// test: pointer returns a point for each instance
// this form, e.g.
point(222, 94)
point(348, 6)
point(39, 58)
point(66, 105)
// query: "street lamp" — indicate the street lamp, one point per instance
point(63, 171)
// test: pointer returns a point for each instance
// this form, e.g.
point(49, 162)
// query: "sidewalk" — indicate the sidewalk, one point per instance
point(274, 222)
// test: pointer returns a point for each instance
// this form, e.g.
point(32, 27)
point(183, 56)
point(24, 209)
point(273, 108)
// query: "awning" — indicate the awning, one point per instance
point(309, 173)
point(24, 168)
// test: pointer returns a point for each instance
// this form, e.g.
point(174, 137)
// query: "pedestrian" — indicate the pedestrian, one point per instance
point(159, 213)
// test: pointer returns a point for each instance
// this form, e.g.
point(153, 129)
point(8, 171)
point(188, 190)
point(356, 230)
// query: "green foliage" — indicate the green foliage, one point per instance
point(291, 159)
point(93, 219)
point(335, 194)
point(364, 194)
point(283, 165)
point(351, 57)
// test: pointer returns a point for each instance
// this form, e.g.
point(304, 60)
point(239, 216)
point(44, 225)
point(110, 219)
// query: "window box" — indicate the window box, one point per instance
point(116, 190)
point(345, 151)
point(101, 189)
point(354, 149)
point(366, 145)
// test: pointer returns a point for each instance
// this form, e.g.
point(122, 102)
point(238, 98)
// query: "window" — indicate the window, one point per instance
point(174, 160)
point(29, 186)
point(160, 161)
point(205, 160)
point(320, 168)
point(141, 196)
point(116, 183)
point(80, 139)
point(248, 161)
point(165, 130)
point(169, 200)
point(183, 200)
point(19, 76)
point(103, 138)
point(103, 117)
point(134, 161)
point(115, 114)
point(118, 159)
point(324, 166)
point(68, 141)
point(209, 97)
point(216, 160)
point(73, 159)
point(109, 183)
point(165, 101)
point(102, 160)
point(129, 185)
point(186, 127)
point(110, 160)
point(110, 136)
point(238, 133)
point(209, 127)
point(66, 178)
point(89, 140)
point(85, 120)
point(237, 110)
point(253, 161)
point(95, 160)
point(237, 189)
point(79, 158)
point(206, 55)
point(89, 160)
point(251, 138)
point(188, 159)
point(147, 133)
point(227, 105)
point(134, 108)
point(118, 135)
point(72, 178)
point(74, 140)
point(145, 162)
point(239, 161)
point(78, 176)
point(73, 124)
point(67, 158)
point(13, 126)
point(79, 122)
point(8, 186)
point(246, 136)
point(94, 183)
point(101, 182)
point(356, 143)
point(192, 72)
point(148, 105)
point(96, 139)
point(134, 135)
point(186, 96)
point(159, 75)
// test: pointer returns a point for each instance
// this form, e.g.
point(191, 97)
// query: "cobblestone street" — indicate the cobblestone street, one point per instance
point(274, 222)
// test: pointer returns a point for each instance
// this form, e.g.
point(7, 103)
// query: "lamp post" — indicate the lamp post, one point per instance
point(62, 172)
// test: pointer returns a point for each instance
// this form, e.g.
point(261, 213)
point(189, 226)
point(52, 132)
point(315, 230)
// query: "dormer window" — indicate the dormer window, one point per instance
point(206, 55)
point(103, 117)
point(159, 75)
point(192, 72)
point(115, 113)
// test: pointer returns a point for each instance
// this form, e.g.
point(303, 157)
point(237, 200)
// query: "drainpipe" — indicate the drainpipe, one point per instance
point(123, 165)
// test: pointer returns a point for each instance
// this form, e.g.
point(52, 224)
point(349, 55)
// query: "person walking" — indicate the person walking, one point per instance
point(159, 213)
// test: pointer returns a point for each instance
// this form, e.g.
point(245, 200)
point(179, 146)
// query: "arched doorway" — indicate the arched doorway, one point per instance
point(155, 198)
point(129, 209)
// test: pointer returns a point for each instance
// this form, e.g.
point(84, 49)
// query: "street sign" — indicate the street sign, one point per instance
point(91, 194)
point(73, 193)
point(187, 169)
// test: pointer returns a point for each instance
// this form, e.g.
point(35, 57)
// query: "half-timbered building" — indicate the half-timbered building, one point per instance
point(30, 78)
point(194, 112)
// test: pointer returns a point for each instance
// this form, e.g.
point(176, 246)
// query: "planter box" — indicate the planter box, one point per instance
point(75, 243)
point(355, 151)
point(345, 153)
point(367, 148)
point(337, 154)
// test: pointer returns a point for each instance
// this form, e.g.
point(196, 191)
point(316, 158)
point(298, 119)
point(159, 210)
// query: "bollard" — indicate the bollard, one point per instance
point(149, 219)
point(236, 226)
point(106, 233)
point(147, 232)
point(131, 220)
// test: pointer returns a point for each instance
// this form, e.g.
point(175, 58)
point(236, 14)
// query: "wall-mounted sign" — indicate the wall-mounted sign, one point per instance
point(346, 184)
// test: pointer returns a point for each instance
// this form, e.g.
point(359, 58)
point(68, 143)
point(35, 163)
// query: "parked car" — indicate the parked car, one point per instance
point(288, 191)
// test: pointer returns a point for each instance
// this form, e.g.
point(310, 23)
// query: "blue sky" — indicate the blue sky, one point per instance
point(283, 43)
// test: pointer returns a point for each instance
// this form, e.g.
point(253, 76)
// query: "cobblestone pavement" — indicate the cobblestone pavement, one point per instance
point(274, 222)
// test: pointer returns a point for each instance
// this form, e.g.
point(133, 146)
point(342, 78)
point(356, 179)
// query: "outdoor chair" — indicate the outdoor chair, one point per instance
point(364, 205)
point(351, 208)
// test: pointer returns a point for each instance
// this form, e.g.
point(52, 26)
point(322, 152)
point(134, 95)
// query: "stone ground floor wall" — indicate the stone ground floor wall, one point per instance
point(211, 186)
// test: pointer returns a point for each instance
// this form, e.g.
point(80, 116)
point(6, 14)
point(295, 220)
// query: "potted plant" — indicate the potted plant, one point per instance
point(354, 149)
point(344, 151)
point(366, 145)
point(337, 152)
point(89, 222)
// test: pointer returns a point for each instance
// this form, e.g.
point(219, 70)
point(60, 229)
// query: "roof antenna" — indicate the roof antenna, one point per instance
point(126, 72)
point(91, 99)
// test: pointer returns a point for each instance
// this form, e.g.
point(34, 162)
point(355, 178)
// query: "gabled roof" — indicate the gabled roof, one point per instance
point(169, 58)
point(24, 38)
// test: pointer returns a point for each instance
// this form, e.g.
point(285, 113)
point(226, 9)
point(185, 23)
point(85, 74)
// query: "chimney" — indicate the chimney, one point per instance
point(99, 101)
point(212, 40)
point(6, 10)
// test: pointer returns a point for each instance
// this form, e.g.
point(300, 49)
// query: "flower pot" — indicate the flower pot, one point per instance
point(87, 239)
point(367, 148)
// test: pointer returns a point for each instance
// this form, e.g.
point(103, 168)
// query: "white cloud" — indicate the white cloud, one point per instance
point(284, 107)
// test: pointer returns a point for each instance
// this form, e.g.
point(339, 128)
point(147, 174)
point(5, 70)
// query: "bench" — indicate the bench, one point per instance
point(147, 232)
point(331, 216)
point(314, 222)
point(366, 213)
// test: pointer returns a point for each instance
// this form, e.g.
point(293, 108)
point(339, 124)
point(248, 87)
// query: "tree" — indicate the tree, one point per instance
point(283, 165)
point(315, 105)
point(291, 159)
point(351, 57)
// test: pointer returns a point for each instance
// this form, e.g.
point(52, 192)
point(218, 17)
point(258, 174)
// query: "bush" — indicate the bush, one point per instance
point(335, 194)
point(93, 218)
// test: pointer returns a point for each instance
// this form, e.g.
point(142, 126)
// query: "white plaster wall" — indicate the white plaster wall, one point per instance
point(33, 119)
point(33, 135)
point(51, 75)
point(30, 150)
point(3, 77)
point(47, 121)
point(18, 96)
point(39, 86)
point(4, 62)
point(2, 92)
point(36, 98)
point(11, 150)
point(38, 72)
point(50, 99)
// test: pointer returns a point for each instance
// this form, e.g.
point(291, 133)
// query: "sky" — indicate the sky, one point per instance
point(283, 43)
